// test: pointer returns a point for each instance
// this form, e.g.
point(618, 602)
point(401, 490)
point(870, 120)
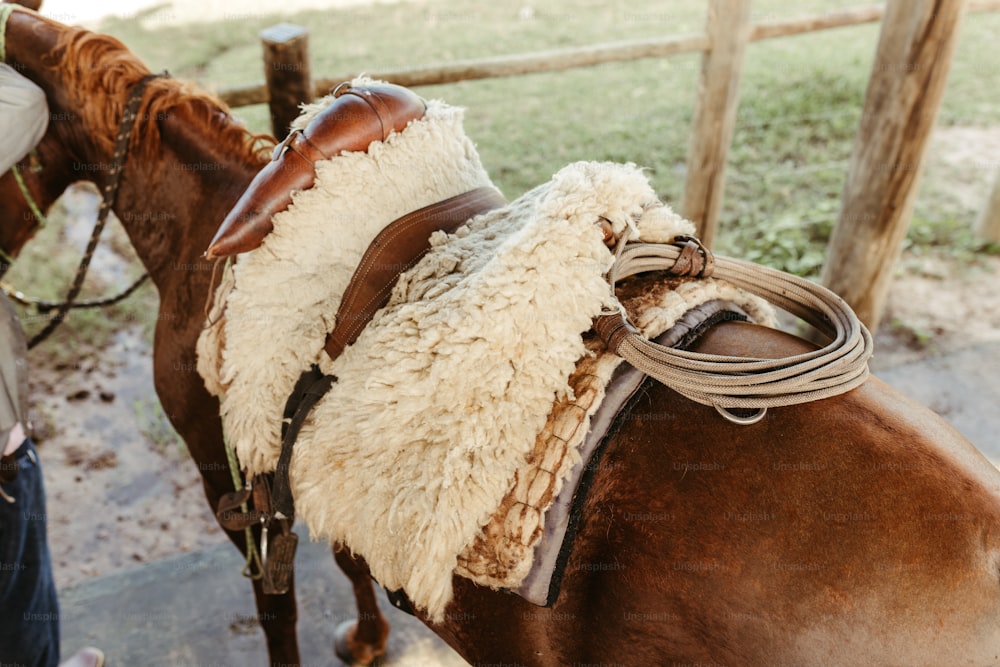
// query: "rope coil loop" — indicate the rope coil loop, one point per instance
point(739, 383)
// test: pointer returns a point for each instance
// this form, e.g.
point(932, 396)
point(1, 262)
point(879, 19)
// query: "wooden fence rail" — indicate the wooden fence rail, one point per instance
point(859, 275)
point(582, 56)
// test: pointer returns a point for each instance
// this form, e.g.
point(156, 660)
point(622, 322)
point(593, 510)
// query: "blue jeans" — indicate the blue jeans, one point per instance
point(29, 608)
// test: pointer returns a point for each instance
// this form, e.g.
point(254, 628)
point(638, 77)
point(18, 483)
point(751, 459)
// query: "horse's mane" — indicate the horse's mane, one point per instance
point(99, 71)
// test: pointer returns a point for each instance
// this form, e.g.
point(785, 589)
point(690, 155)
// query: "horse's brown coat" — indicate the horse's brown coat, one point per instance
point(857, 530)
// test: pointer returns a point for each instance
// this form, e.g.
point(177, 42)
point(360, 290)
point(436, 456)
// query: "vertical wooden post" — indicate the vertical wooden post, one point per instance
point(286, 72)
point(912, 60)
point(728, 29)
point(988, 224)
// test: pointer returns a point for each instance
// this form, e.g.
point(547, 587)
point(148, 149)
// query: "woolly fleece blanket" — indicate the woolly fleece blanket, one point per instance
point(441, 398)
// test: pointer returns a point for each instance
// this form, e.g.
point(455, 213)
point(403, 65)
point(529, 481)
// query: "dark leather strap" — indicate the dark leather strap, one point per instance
point(613, 328)
point(695, 260)
point(396, 249)
point(310, 387)
point(129, 116)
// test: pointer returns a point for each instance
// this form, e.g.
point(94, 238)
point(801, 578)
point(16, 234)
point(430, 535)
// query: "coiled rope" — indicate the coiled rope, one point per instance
point(727, 382)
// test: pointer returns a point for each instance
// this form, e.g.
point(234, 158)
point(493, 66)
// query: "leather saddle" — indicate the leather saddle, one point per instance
point(358, 116)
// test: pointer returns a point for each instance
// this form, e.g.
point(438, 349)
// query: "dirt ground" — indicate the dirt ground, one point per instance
point(122, 490)
point(121, 487)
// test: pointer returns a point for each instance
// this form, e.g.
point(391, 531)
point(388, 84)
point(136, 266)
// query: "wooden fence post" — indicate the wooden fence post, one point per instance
point(728, 29)
point(912, 60)
point(988, 224)
point(286, 72)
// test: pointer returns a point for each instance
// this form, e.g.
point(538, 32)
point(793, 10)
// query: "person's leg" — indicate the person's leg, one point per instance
point(29, 607)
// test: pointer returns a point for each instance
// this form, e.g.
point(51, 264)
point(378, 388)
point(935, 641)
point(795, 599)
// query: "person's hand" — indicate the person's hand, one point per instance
point(14, 440)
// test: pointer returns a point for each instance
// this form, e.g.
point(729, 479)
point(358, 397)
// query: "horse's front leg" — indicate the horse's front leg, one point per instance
point(194, 413)
point(277, 614)
point(363, 640)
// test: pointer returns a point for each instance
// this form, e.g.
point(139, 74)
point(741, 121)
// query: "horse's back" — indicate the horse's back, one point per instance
point(856, 529)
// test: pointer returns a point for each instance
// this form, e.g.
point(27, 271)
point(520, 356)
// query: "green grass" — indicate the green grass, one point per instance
point(801, 96)
point(801, 100)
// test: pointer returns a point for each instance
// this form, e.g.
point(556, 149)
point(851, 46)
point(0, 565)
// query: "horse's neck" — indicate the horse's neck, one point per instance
point(171, 203)
point(171, 198)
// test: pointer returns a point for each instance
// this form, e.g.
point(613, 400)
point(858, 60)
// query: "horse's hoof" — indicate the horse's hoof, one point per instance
point(350, 651)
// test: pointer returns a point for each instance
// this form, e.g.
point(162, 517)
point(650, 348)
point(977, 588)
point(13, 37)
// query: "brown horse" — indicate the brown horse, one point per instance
point(860, 529)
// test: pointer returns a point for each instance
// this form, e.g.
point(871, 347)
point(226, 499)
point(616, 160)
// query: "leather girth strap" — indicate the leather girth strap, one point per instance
point(396, 249)
point(310, 387)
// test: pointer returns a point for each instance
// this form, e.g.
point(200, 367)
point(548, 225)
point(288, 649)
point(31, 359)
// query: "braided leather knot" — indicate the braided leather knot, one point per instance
point(613, 328)
point(695, 260)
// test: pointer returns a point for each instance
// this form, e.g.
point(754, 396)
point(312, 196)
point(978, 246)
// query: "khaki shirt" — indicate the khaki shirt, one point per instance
point(24, 115)
point(13, 370)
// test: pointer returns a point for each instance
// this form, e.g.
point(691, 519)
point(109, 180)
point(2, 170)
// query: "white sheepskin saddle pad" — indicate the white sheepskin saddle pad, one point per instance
point(445, 407)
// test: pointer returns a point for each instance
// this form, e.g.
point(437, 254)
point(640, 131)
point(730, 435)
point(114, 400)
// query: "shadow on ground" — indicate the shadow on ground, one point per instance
point(197, 610)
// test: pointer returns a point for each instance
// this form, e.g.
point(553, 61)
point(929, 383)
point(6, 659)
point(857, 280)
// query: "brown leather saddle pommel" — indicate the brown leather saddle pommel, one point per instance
point(357, 117)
